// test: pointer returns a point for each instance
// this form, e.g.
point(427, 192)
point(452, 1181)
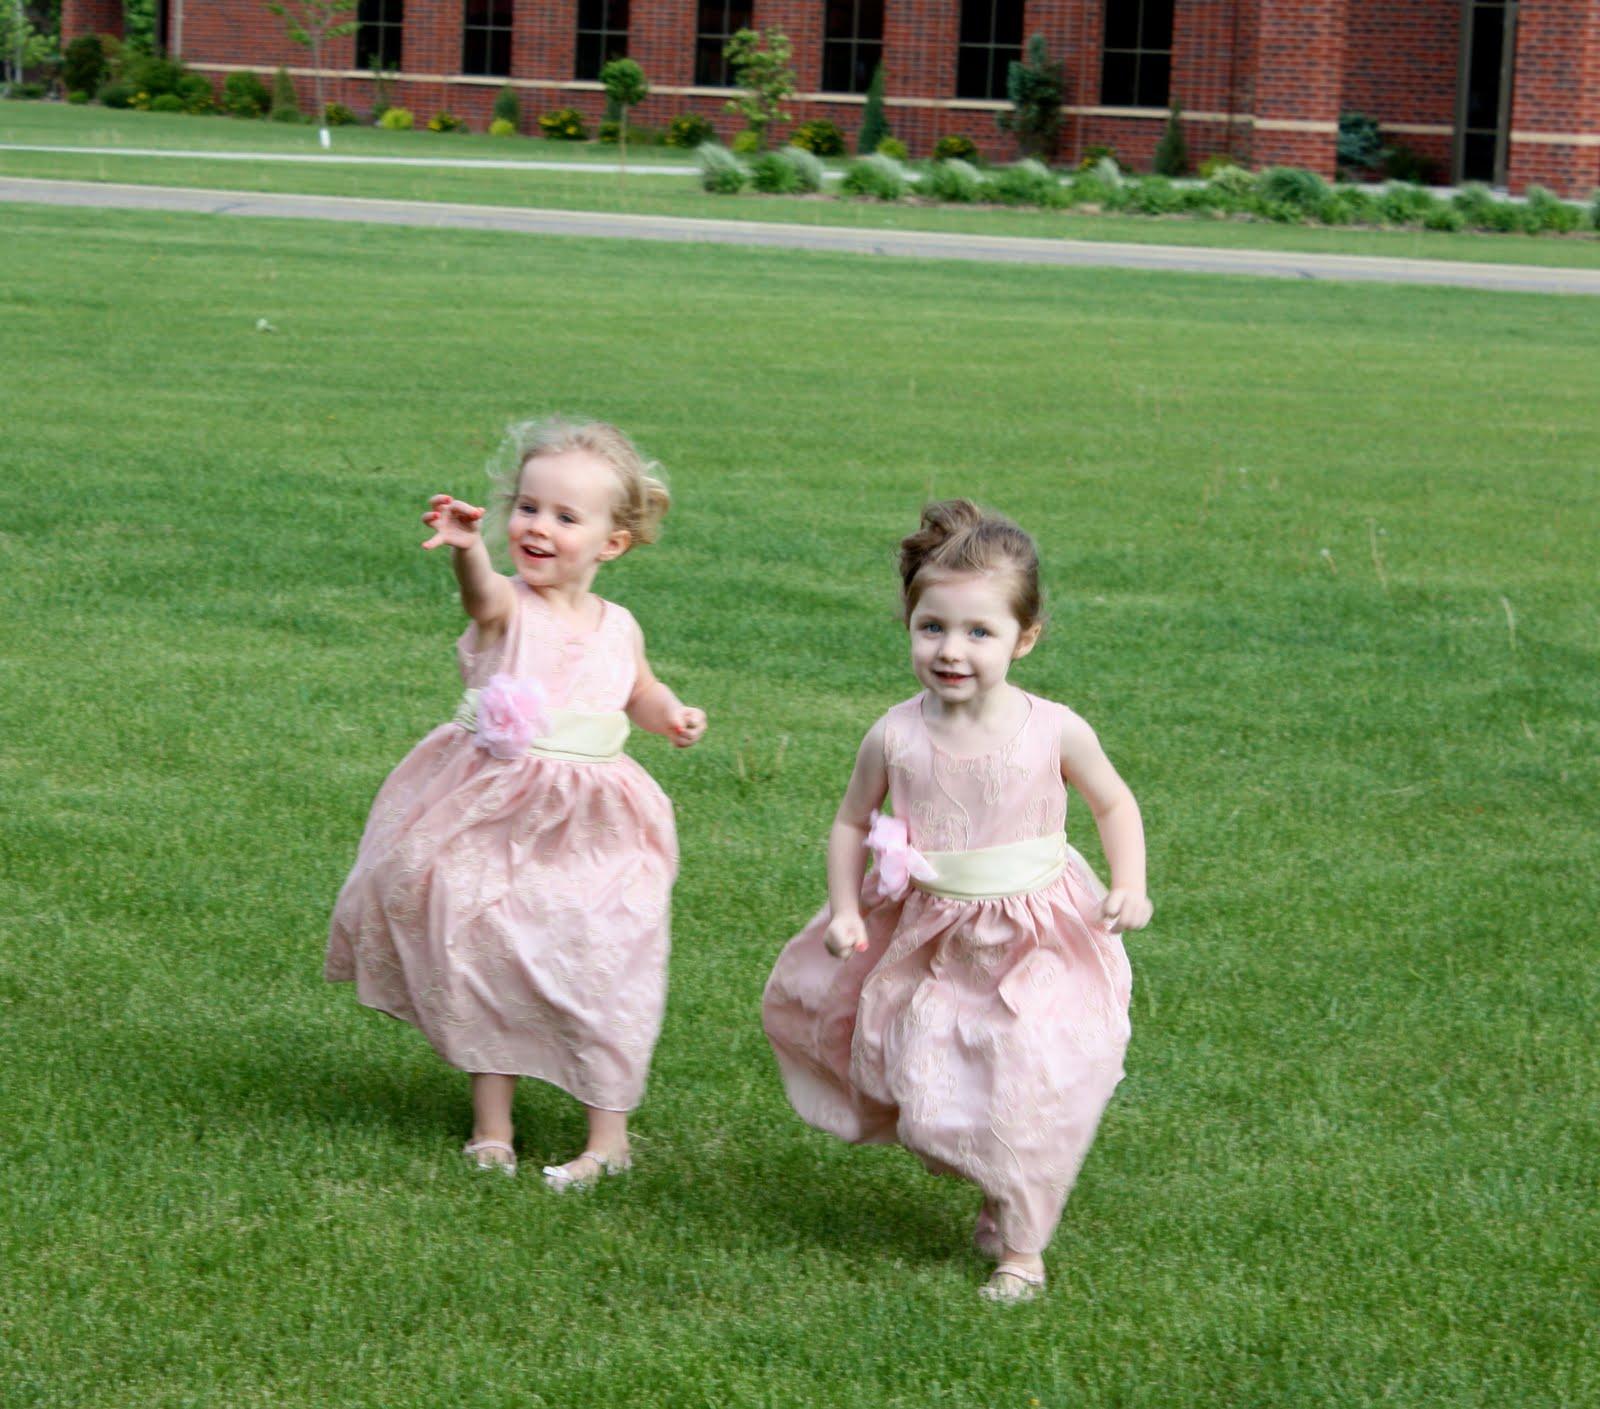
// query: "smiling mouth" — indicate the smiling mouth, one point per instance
point(950, 677)
point(538, 553)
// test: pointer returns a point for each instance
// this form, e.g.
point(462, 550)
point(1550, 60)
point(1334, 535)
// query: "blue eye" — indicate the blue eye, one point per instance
point(567, 518)
point(980, 631)
point(932, 628)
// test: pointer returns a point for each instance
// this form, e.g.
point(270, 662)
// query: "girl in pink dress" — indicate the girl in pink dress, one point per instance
point(970, 999)
point(510, 895)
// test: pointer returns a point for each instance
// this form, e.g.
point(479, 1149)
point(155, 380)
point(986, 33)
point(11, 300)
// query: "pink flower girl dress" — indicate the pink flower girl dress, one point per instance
point(984, 1025)
point(510, 896)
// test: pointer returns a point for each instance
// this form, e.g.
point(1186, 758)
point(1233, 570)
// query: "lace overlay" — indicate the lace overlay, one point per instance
point(517, 910)
point(985, 1036)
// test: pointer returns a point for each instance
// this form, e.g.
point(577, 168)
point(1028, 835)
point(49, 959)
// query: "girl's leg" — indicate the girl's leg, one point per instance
point(491, 1113)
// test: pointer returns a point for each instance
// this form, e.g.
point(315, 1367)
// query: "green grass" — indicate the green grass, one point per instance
point(646, 193)
point(1287, 530)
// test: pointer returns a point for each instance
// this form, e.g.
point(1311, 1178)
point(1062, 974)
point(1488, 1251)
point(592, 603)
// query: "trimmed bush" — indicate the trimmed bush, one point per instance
point(1350, 205)
point(77, 97)
point(337, 115)
point(1298, 193)
point(397, 119)
point(808, 169)
point(564, 125)
point(1360, 146)
point(508, 107)
point(1544, 212)
point(1155, 195)
point(445, 122)
point(1444, 217)
point(1405, 204)
point(166, 103)
point(84, 66)
point(1172, 153)
point(245, 95)
point(688, 130)
point(285, 103)
point(876, 177)
point(893, 147)
point(117, 94)
point(955, 146)
point(1026, 182)
point(196, 94)
point(819, 137)
point(770, 173)
point(951, 180)
point(874, 120)
point(502, 127)
point(149, 73)
point(721, 173)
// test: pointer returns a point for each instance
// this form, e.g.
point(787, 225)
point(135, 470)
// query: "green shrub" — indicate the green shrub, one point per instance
point(747, 143)
point(285, 102)
point(876, 177)
point(166, 103)
point(196, 94)
point(245, 95)
point(1172, 152)
point(1155, 195)
point(1036, 88)
point(1544, 212)
point(1404, 204)
point(819, 137)
point(688, 130)
point(874, 119)
point(1360, 146)
point(1594, 211)
point(397, 119)
point(1094, 154)
point(154, 75)
point(84, 66)
point(1444, 217)
point(1350, 205)
point(508, 107)
point(337, 115)
point(77, 97)
point(952, 180)
point(1401, 163)
point(955, 146)
point(1474, 200)
point(808, 168)
point(1289, 186)
point(1235, 182)
point(502, 127)
point(721, 173)
point(117, 94)
point(1026, 182)
point(770, 173)
point(893, 147)
point(1218, 162)
point(564, 125)
point(446, 121)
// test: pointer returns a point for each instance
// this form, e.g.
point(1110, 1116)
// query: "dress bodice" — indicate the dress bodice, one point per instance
point(955, 803)
point(579, 670)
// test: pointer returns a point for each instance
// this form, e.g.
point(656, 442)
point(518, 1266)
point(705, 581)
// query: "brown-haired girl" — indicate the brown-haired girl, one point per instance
point(969, 999)
point(510, 896)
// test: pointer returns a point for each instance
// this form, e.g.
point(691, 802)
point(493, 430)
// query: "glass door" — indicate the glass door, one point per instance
point(1483, 94)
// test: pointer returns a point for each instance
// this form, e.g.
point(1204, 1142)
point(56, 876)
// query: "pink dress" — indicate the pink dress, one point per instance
point(516, 911)
point(986, 1036)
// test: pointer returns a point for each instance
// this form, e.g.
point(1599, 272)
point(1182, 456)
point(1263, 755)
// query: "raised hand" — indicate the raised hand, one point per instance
point(1125, 910)
point(453, 521)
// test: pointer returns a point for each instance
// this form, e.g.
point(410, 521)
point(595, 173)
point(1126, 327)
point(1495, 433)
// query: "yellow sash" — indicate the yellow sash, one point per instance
point(994, 872)
point(574, 735)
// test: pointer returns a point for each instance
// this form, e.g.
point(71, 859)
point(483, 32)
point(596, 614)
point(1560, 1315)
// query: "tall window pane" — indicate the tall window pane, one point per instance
point(852, 44)
point(718, 21)
point(991, 41)
point(1136, 62)
point(486, 37)
point(380, 28)
point(602, 35)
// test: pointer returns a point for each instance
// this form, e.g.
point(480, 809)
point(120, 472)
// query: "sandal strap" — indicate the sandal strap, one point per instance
point(1022, 1274)
point(473, 1146)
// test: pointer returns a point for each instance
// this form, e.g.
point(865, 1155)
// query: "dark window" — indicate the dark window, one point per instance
point(380, 26)
point(716, 23)
point(991, 41)
point(1136, 59)
point(602, 35)
point(852, 44)
point(486, 38)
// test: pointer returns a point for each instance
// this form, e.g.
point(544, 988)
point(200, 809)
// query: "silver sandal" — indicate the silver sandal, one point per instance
point(561, 1178)
point(478, 1150)
point(1011, 1282)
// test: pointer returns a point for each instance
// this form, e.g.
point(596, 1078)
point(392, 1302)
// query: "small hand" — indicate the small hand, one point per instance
point(1125, 910)
point(686, 726)
point(846, 935)
point(453, 521)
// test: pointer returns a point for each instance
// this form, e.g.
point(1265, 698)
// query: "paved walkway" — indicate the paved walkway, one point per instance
point(915, 244)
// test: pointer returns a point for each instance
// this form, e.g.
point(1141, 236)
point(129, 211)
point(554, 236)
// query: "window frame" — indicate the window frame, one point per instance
point(1140, 54)
point(998, 54)
point(374, 30)
point(607, 29)
point(854, 46)
point(709, 43)
point(490, 33)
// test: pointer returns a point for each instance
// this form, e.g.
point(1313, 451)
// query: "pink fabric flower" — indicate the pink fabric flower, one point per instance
point(895, 861)
point(512, 713)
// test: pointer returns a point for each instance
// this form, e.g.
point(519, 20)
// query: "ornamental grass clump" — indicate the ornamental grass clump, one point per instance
point(1155, 195)
point(876, 177)
point(1544, 212)
point(1403, 203)
point(808, 169)
point(1026, 182)
point(721, 173)
point(954, 180)
point(1290, 194)
point(1350, 205)
point(773, 176)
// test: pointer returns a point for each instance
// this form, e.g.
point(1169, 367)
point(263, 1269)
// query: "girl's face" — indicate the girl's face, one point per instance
point(561, 528)
point(964, 635)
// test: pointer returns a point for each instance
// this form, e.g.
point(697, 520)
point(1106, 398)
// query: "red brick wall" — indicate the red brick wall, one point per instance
point(1557, 94)
point(90, 17)
point(1299, 70)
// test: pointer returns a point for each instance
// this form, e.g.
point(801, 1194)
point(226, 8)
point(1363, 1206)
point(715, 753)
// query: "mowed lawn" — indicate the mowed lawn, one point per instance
point(1321, 570)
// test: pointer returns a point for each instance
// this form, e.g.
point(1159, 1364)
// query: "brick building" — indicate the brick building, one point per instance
point(1504, 91)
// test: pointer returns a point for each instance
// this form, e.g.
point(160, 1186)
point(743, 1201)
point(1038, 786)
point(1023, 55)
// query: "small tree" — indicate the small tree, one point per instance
point(1035, 88)
point(311, 24)
point(508, 106)
point(874, 121)
point(21, 45)
point(760, 64)
point(1172, 155)
point(625, 88)
point(285, 101)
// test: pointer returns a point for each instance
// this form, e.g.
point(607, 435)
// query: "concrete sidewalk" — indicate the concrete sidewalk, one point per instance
point(914, 244)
